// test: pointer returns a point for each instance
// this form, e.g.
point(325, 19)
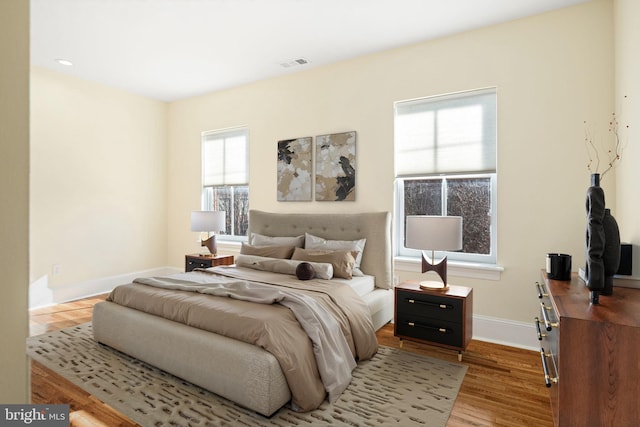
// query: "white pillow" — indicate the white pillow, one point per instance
point(284, 266)
point(315, 242)
point(260, 240)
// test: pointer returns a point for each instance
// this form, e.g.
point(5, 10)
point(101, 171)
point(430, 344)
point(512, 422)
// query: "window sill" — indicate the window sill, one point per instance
point(454, 268)
point(229, 247)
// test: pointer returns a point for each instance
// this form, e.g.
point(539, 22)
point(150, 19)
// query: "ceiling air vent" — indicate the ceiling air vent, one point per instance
point(294, 63)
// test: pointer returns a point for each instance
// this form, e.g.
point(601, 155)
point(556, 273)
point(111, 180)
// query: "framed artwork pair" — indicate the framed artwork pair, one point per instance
point(335, 168)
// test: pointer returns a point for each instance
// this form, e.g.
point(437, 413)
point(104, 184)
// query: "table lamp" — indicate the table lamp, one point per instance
point(209, 222)
point(437, 233)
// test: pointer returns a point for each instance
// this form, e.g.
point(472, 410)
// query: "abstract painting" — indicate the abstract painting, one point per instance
point(336, 167)
point(294, 170)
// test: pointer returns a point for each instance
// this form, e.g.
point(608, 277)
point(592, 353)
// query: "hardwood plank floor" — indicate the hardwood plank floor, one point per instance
point(503, 386)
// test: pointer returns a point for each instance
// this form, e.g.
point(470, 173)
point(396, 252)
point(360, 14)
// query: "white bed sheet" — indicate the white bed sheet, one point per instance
point(362, 285)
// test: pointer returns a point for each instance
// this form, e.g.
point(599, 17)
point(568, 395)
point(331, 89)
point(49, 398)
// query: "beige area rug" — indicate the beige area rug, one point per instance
point(394, 388)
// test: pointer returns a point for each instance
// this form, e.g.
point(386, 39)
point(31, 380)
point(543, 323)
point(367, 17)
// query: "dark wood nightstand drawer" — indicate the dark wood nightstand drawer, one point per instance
point(194, 261)
point(192, 264)
point(429, 306)
point(447, 333)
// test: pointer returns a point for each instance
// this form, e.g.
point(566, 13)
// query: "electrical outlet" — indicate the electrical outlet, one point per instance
point(55, 269)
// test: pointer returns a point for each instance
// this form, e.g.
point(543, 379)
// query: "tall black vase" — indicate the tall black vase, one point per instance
point(595, 239)
point(602, 243)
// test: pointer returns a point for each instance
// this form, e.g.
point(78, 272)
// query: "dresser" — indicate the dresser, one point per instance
point(590, 353)
point(442, 318)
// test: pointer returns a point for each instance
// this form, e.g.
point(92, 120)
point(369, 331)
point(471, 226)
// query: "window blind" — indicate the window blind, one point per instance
point(224, 157)
point(446, 134)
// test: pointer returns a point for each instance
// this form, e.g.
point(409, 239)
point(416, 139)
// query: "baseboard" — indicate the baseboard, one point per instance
point(505, 332)
point(41, 296)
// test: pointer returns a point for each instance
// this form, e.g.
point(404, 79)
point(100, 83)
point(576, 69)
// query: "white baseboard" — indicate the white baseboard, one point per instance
point(505, 332)
point(41, 296)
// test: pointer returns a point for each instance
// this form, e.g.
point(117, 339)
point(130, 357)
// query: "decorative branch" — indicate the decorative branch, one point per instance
point(613, 154)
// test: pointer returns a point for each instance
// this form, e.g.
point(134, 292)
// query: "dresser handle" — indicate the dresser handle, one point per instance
point(545, 317)
point(431, 304)
point(541, 292)
point(540, 334)
point(548, 379)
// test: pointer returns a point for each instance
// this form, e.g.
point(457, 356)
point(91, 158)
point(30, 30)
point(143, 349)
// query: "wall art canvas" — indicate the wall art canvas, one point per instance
point(336, 167)
point(294, 170)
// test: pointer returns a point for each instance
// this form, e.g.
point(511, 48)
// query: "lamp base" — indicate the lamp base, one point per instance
point(210, 243)
point(433, 285)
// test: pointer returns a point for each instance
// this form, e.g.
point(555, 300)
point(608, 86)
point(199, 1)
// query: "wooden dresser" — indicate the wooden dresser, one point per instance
point(590, 353)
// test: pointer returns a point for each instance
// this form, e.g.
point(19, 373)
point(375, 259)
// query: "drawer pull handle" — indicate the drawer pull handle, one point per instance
point(540, 334)
point(431, 304)
point(431, 328)
point(545, 317)
point(541, 292)
point(548, 379)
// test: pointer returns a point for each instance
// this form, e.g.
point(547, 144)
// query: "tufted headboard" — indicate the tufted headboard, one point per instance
point(374, 226)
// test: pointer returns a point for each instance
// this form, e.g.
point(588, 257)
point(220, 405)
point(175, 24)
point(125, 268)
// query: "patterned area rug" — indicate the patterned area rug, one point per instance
point(394, 388)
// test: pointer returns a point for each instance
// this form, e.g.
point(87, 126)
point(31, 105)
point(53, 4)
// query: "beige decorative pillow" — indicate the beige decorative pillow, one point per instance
point(261, 240)
point(315, 242)
point(342, 261)
point(282, 252)
point(283, 266)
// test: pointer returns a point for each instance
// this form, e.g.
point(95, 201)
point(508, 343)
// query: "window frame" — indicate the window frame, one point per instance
point(399, 203)
point(402, 251)
point(206, 198)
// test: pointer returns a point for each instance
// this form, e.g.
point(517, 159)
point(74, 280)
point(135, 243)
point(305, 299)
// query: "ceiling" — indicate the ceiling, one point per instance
point(174, 49)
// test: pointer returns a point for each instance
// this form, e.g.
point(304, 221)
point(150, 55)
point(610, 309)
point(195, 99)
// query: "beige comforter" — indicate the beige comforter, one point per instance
point(312, 345)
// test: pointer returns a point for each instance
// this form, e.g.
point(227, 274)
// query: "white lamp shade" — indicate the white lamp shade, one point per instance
point(210, 221)
point(438, 233)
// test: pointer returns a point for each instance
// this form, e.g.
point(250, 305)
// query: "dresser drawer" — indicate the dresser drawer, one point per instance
point(446, 333)
point(428, 306)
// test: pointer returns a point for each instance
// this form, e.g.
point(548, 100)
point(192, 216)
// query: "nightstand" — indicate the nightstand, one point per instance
point(442, 318)
point(193, 261)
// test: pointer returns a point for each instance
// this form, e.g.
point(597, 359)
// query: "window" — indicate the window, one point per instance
point(445, 160)
point(225, 178)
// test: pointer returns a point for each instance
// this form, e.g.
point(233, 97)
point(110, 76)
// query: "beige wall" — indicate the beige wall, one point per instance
point(552, 72)
point(14, 191)
point(627, 36)
point(98, 180)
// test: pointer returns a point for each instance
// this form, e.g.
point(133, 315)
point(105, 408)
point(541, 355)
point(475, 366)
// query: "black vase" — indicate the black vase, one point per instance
point(611, 255)
point(595, 239)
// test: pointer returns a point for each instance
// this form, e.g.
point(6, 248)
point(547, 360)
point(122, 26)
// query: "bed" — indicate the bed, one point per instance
point(240, 371)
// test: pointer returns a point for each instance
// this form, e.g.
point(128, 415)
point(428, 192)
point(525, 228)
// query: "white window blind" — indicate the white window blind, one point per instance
point(224, 157)
point(446, 134)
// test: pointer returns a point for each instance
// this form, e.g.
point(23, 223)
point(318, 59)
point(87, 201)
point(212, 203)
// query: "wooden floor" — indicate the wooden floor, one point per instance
point(503, 386)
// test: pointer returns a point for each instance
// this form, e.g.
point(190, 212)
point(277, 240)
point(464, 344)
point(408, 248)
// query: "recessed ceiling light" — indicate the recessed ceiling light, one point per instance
point(64, 62)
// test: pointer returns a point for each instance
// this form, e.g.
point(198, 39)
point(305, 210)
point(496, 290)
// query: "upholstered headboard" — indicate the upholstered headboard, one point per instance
point(374, 226)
